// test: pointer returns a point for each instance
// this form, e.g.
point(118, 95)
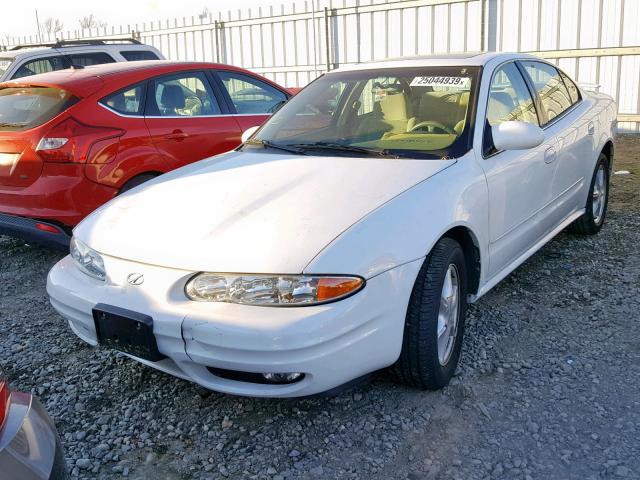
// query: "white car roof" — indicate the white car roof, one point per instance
point(32, 51)
point(446, 60)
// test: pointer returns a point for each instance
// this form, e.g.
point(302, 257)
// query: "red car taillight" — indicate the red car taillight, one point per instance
point(4, 401)
point(70, 141)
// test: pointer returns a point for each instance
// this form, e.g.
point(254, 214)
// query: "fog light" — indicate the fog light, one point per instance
point(282, 377)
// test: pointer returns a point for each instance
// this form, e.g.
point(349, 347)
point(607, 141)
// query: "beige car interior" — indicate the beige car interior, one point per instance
point(425, 118)
point(398, 113)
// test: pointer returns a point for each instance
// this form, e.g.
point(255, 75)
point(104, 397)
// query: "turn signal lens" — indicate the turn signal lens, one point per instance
point(271, 290)
point(335, 287)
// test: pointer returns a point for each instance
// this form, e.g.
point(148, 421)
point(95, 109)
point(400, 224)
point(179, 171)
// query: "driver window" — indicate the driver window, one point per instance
point(186, 95)
point(509, 100)
point(250, 95)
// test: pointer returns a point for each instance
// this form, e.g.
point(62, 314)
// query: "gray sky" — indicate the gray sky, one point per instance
point(20, 18)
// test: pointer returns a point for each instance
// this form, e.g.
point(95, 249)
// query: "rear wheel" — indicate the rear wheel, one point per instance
point(434, 325)
point(136, 181)
point(596, 208)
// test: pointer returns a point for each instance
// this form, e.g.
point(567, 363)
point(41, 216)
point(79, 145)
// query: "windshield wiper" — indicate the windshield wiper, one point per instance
point(345, 148)
point(276, 146)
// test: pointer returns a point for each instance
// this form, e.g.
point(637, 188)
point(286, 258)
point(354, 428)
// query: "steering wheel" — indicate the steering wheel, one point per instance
point(431, 126)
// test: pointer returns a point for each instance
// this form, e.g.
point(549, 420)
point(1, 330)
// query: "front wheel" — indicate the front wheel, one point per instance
point(434, 324)
point(596, 208)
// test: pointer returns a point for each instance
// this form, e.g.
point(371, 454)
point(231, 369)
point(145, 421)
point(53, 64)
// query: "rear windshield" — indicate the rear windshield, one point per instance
point(5, 63)
point(22, 108)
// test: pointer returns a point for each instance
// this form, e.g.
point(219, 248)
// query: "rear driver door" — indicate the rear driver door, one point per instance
point(186, 120)
point(519, 181)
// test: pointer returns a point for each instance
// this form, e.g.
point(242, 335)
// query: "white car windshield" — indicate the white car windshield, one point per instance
point(412, 112)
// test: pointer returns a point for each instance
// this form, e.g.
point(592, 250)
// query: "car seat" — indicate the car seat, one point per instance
point(501, 107)
point(389, 115)
point(448, 108)
point(172, 99)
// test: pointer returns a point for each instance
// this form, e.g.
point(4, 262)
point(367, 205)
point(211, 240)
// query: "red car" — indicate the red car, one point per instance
point(73, 139)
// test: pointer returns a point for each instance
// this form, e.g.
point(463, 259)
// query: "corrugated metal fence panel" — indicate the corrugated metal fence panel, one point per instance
point(295, 43)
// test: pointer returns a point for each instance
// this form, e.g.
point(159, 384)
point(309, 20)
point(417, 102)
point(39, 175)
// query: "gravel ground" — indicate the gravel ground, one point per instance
point(548, 386)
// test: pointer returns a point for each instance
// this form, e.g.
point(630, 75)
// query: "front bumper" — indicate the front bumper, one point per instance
point(29, 445)
point(331, 344)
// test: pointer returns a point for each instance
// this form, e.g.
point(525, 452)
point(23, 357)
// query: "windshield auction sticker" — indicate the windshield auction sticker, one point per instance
point(451, 82)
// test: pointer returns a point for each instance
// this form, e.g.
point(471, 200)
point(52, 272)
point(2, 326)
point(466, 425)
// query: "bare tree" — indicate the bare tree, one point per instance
point(52, 26)
point(90, 21)
point(204, 15)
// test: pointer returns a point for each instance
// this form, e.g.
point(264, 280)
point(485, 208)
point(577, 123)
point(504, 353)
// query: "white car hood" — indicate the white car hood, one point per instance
point(248, 212)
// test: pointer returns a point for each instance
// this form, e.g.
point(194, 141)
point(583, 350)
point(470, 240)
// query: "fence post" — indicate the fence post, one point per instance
point(491, 26)
point(327, 39)
point(217, 41)
point(222, 42)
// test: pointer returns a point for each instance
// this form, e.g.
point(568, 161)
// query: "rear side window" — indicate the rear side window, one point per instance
point(41, 65)
point(127, 102)
point(182, 95)
point(90, 58)
point(551, 89)
point(138, 55)
point(574, 93)
point(22, 108)
point(250, 95)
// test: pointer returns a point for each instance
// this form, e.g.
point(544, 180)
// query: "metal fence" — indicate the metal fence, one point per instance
point(595, 41)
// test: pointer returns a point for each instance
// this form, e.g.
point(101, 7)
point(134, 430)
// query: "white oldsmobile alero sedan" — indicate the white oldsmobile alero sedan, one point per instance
point(348, 233)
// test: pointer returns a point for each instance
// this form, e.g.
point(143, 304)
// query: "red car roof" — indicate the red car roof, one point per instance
point(85, 81)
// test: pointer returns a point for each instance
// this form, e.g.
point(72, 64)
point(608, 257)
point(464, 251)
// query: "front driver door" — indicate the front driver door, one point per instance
point(519, 181)
point(185, 120)
point(252, 100)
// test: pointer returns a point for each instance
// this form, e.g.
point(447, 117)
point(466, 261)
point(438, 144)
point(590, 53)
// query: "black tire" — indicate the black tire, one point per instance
point(135, 181)
point(588, 224)
point(419, 364)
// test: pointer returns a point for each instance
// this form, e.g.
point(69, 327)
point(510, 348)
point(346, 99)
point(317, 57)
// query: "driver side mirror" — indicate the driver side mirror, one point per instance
point(248, 133)
point(516, 135)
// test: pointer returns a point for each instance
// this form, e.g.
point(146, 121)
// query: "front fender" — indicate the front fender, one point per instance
point(407, 227)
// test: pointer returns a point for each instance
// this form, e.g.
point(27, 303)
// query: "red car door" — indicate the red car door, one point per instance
point(185, 120)
point(252, 98)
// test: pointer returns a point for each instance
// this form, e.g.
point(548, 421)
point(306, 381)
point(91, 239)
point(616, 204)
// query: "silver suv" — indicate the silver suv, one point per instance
point(25, 60)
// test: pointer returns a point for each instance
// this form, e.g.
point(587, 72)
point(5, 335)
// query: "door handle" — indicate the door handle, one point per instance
point(177, 135)
point(591, 128)
point(550, 155)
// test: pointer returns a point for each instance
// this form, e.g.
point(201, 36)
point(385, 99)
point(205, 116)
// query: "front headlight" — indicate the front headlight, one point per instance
point(271, 290)
point(87, 259)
